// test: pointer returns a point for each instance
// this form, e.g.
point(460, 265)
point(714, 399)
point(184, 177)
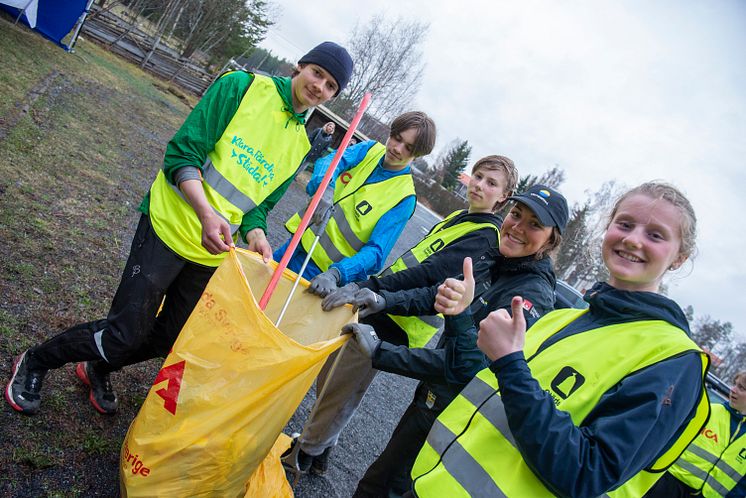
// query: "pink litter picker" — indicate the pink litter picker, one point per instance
point(295, 240)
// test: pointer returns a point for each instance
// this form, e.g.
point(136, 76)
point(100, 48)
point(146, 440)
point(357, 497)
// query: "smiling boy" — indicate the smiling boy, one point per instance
point(226, 167)
point(373, 198)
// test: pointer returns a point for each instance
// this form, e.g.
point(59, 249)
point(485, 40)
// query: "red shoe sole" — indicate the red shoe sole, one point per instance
point(83, 375)
point(8, 397)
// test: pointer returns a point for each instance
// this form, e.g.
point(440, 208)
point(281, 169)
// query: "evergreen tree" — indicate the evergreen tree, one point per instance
point(453, 162)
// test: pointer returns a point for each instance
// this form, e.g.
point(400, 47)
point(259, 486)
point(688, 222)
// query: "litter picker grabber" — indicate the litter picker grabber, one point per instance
point(295, 240)
point(319, 232)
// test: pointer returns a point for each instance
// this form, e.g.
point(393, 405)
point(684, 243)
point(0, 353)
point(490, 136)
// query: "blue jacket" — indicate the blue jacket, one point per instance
point(369, 260)
point(630, 427)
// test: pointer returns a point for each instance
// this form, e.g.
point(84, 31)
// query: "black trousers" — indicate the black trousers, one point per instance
point(670, 487)
point(131, 332)
point(389, 476)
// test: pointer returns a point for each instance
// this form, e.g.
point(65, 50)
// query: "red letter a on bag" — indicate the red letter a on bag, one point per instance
point(173, 374)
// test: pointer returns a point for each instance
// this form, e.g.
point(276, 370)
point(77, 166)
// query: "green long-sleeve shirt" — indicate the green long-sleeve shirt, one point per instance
point(205, 125)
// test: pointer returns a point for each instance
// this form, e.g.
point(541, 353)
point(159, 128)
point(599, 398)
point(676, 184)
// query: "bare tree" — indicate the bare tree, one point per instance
point(388, 63)
point(210, 23)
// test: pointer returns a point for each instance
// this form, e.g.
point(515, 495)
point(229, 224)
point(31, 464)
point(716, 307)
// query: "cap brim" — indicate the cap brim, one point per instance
point(540, 211)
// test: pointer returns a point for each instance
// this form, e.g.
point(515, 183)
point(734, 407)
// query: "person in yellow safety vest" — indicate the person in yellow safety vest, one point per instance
point(373, 198)
point(226, 167)
point(587, 403)
point(523, 268)
point(714, 465)
point(463, 233)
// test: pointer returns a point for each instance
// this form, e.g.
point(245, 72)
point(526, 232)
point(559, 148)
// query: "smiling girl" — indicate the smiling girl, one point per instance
point(588, 401)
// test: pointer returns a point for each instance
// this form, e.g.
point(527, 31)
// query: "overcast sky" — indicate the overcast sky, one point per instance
point(627, 90)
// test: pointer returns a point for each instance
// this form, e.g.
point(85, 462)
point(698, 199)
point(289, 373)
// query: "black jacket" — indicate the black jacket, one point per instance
point(497, 280)
point(320, 141)
point(447, 262)
point(443, 373)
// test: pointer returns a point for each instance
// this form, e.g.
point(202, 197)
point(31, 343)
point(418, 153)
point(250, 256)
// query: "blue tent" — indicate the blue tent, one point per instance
point(55, 19)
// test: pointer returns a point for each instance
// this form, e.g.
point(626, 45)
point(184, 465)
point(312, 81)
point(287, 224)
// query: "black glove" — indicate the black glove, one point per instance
point(365, 336)
point(339, 297)
point(366, 303)
point(324, 283)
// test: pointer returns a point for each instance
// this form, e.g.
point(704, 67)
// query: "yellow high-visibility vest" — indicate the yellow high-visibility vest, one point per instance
point(471, 451)
point(420, 329)
point(716, 460)
point(257, 152)
point(358, 207)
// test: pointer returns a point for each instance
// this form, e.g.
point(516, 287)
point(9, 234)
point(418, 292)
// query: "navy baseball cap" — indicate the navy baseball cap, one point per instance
point(547, 204)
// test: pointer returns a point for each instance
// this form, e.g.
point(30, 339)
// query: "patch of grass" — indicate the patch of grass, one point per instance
point(8, 324)
point(74, 169)
point(137, 400)
point(94, 442)
point(22, 269)
point(34, 457)
point(20, 343)
point(54, 400)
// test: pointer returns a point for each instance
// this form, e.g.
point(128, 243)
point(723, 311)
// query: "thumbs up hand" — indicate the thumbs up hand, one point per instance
point(500, 334)
point(455, 295)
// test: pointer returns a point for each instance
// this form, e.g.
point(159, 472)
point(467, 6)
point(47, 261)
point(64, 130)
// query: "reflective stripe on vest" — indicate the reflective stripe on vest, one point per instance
point(222, 186)
point(357, 208)
point(178, 192)
point(259, 150)
point(714, 462)
point(605, 356)
point(421, 329)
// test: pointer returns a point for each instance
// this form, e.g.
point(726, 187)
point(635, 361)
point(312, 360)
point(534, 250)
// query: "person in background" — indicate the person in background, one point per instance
point(321, 139)
point(714, 465)
point(465, 232)
point(588, 402)
point(371, 196)
point(226, 167)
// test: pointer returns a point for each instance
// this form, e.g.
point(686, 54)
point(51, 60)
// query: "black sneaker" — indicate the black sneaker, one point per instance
point(320, 463)
point(102, 395)
point(23, 392)
point(295, 459)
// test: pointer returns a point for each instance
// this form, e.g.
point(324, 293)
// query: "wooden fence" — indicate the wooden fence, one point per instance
point(117, 35)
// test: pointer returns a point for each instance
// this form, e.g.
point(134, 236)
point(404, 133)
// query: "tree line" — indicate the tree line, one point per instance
point(219, 29)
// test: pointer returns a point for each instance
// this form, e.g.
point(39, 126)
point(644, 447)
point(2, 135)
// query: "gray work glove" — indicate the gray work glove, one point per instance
point(325, 283)
point(324, 205)
point(365, 336)
point(366, 303)
point(339, 297)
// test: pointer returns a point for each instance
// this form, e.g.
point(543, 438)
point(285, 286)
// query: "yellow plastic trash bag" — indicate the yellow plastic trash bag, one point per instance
point(269, 479)
point(229, 386)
